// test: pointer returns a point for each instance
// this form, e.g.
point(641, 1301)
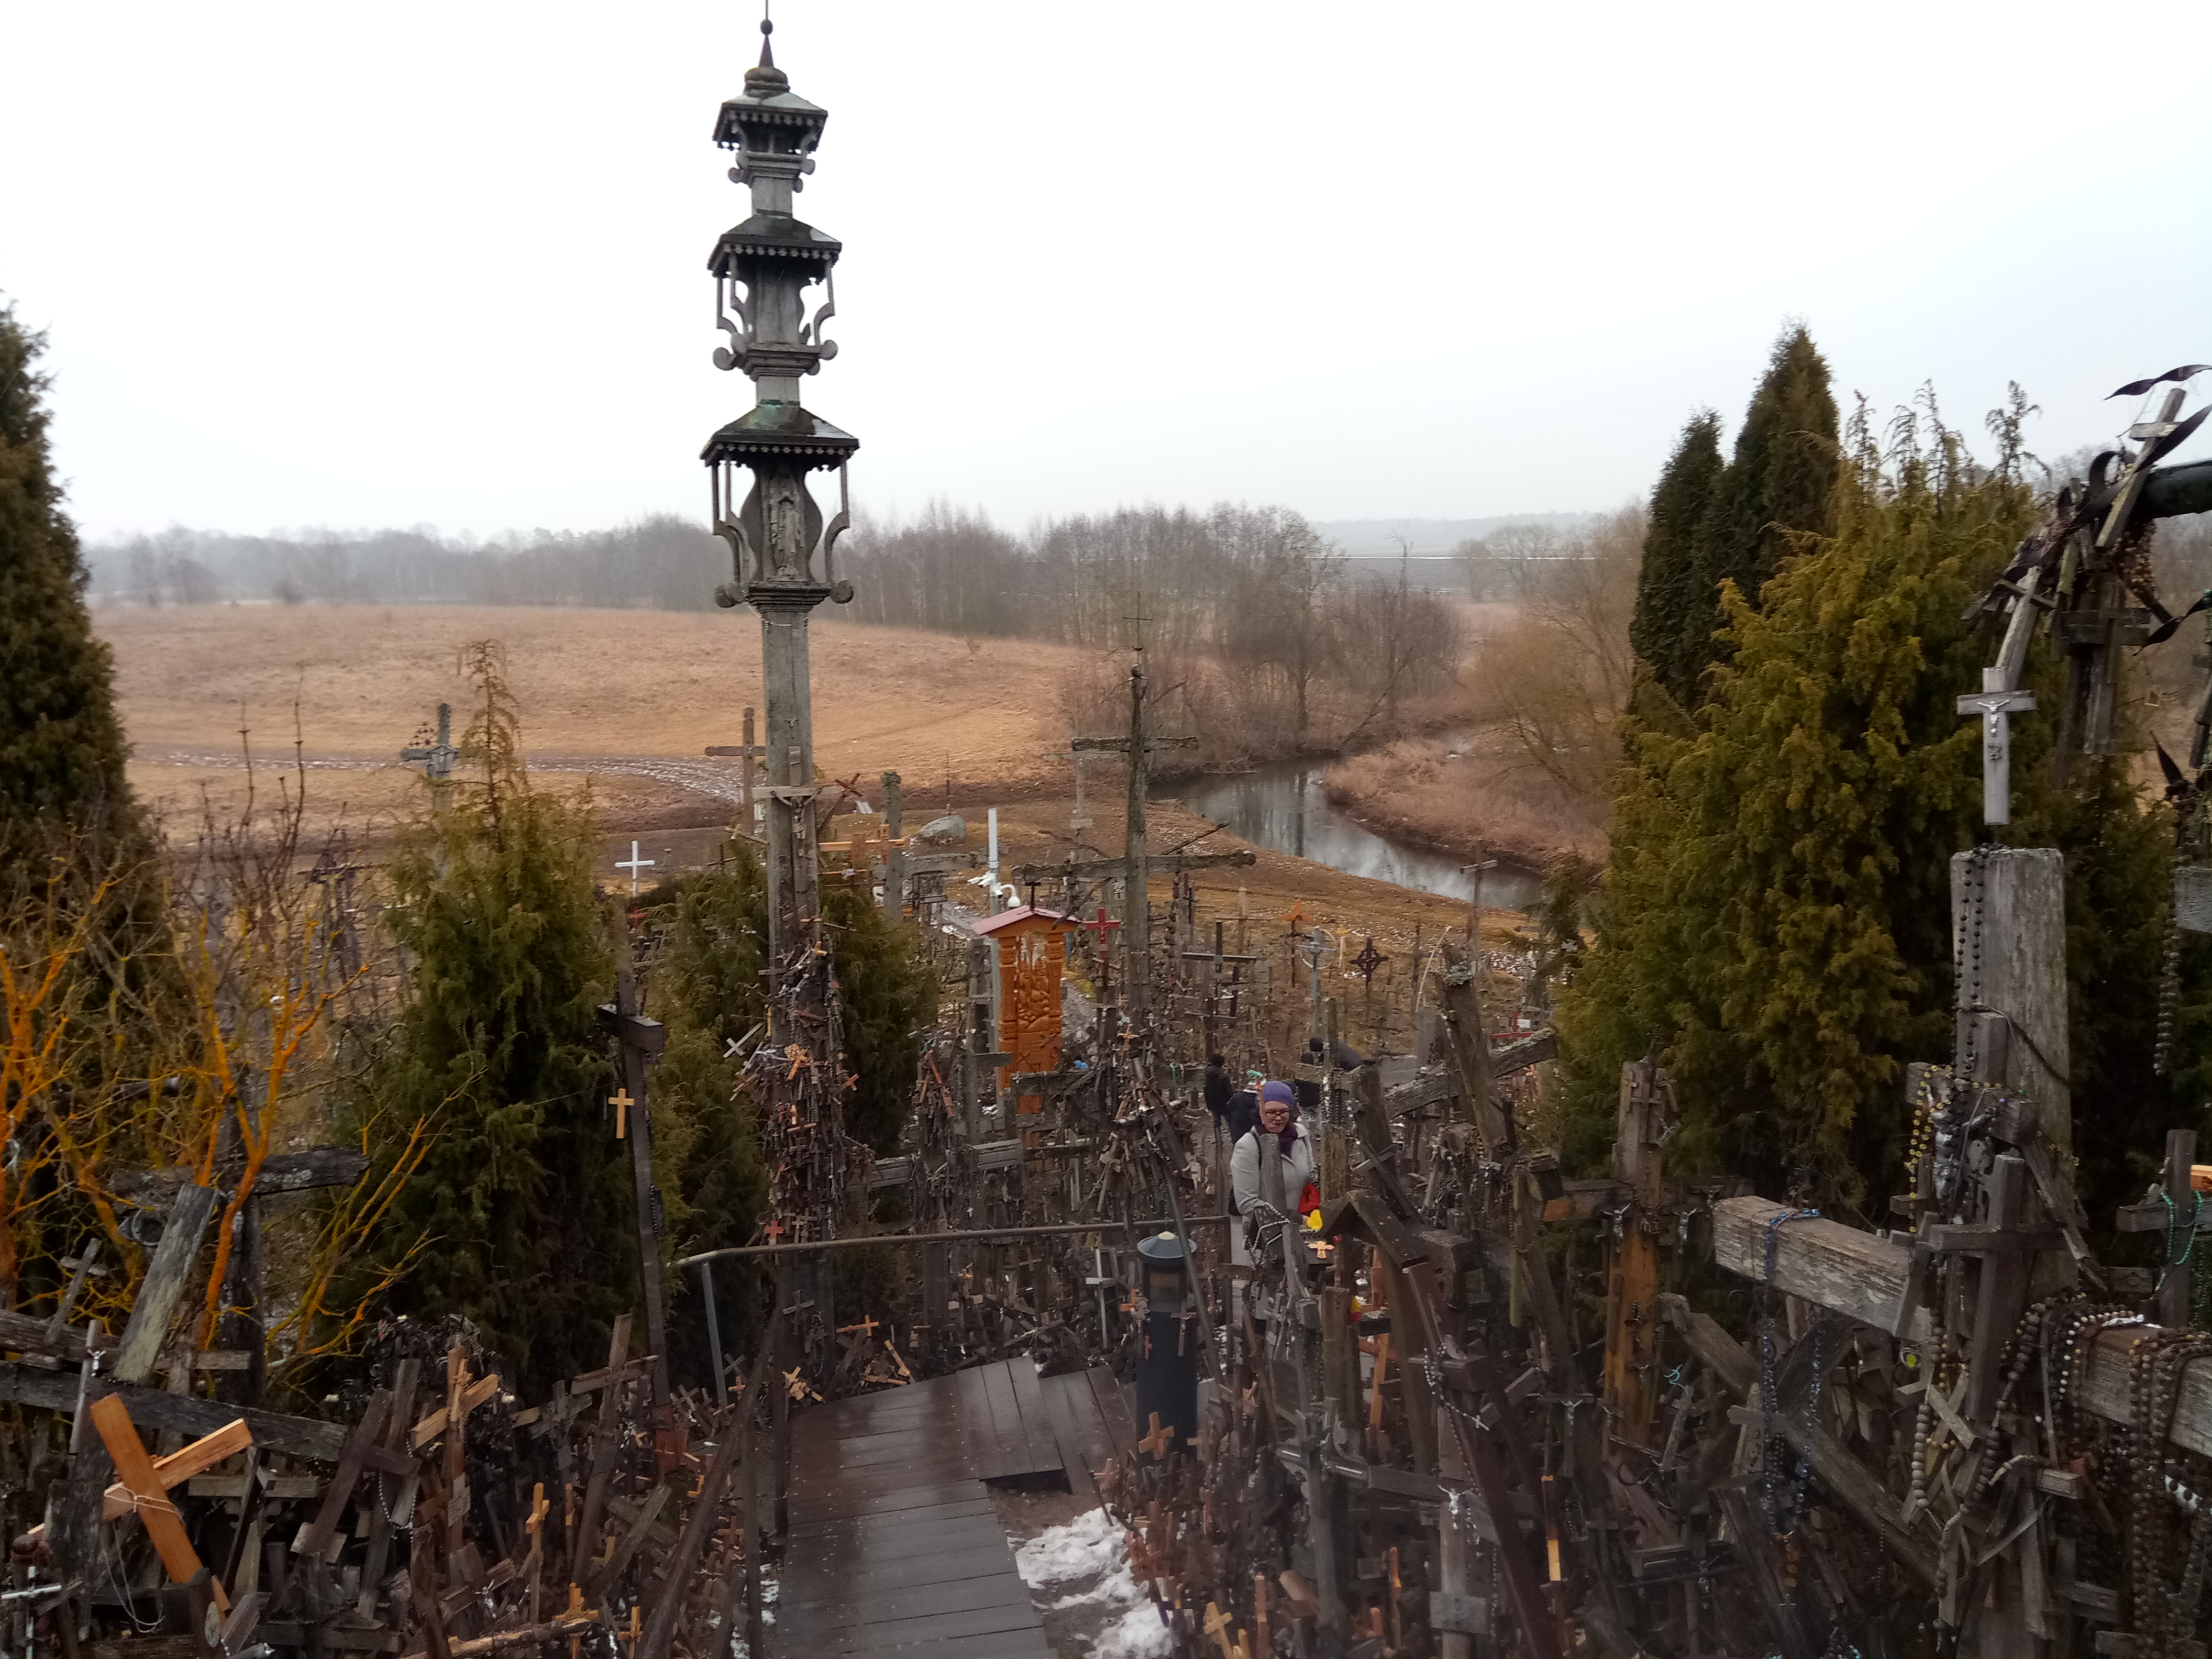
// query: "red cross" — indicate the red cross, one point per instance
point(1100, 926)
point(773, 1229)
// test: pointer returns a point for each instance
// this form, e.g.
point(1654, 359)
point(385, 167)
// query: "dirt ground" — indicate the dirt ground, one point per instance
point(626, 701)
point(649, 689)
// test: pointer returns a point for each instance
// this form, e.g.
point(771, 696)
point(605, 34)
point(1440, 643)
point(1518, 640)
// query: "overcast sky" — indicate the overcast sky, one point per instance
point(310, 265)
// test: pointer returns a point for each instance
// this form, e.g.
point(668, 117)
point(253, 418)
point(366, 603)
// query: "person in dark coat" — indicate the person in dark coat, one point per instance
point(1218, 1086)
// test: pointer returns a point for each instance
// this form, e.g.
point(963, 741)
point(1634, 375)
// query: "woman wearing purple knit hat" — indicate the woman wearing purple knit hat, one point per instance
point(1249, 1177)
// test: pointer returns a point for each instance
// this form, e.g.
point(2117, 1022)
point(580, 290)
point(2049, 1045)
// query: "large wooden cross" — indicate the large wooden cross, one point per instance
point(1136, 912)
point(744, 754)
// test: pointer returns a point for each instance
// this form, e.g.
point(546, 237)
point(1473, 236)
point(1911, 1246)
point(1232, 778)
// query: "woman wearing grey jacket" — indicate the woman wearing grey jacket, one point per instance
point(1296, 1147)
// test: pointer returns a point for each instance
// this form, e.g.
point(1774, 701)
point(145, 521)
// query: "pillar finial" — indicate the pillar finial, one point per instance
point(768, 54)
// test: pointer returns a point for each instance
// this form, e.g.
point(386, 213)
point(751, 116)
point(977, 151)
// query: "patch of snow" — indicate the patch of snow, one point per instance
point(1085, 1547)
point(1092, 1547)
point(1138, 1635)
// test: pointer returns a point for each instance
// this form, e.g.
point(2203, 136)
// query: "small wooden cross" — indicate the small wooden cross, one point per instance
point(113, 1419)
point(775, 1229)
point(1160, 1441)
point(1217, 1626)
point(866, 1328)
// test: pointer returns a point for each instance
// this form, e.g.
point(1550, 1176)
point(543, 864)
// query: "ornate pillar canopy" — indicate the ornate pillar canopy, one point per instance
point(783, 551)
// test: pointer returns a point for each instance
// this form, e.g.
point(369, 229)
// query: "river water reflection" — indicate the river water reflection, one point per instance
point(1282, 807)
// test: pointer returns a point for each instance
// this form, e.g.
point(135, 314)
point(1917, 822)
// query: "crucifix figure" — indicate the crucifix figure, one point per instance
point(437, 757)
point(2000, 698)
point(1995, 703)
point(633, 863)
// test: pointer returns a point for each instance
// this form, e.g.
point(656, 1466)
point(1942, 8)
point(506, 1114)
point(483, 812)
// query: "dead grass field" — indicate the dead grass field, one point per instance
point(591, 683)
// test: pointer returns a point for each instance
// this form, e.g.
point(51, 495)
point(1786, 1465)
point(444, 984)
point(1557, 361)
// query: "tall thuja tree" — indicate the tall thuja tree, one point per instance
point(1773, 924)
point(523, 1204)
point(1779, 491)
point(1672, 631)
point(61, 743)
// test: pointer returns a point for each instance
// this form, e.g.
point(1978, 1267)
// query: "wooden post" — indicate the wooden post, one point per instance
point(1632, 1286)
point(894, 855)
point(2008, 949)
point(1460, 992)
point(1137, 910)
point(640, 1039)
point(2173, 1294)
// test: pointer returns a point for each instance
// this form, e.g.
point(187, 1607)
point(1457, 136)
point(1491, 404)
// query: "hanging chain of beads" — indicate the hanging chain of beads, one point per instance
point(2071, 1333)
point(1968, 990)
point(2169, 994)
point(2157, 1360)
point(1775, 1516)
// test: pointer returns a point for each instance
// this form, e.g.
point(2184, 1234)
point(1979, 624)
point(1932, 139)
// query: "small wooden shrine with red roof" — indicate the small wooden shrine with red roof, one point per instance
point(1031, 958)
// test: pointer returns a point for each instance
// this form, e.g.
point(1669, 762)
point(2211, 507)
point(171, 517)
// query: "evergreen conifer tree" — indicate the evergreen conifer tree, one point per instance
point(1779, 489)
point(523, 1203)
point(62, 748)
point(1672, 631)
point(1774, 922)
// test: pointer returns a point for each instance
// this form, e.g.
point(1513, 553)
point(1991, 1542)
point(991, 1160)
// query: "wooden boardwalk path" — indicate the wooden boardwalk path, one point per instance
point(895, 1546)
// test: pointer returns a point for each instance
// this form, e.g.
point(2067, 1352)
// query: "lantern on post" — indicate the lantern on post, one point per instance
point(1167, 1368)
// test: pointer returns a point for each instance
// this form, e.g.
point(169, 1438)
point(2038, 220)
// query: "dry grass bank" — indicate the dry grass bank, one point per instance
point(1470, 798)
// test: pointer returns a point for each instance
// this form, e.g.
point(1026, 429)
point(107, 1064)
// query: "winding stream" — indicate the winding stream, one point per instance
point(1282, 807)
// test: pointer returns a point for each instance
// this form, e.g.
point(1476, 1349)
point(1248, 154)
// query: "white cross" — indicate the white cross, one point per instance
point(1995, 703)
point(633, 863)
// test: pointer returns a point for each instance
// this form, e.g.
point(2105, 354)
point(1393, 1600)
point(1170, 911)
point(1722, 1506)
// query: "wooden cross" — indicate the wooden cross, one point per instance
point(866, 1328)
point(1160, 1441)
point(179, 1467)
point(1217, 1626)
point(622, 1103)
point(1475, 899)
point(774, 1230)
point(633, 864)
point(744, 754)
point(534, 1527)
point(113, 1419)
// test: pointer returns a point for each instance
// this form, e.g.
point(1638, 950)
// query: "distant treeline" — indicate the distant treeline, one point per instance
point(1285, 647)
point(660, 563)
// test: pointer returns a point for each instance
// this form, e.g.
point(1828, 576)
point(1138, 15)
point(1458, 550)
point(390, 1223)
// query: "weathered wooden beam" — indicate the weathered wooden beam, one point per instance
point(157, 1409)
point(163, 1287)
point(25, 1334)
point(1854, 1274)
point(281, 1172)
point(1863, 1277)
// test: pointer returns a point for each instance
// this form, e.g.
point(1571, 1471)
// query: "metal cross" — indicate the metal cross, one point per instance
point(438, 758)
point(1369, 960)
point(633, 863)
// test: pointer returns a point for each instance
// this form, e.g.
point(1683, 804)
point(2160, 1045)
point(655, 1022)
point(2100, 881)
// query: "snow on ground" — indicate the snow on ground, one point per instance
point(1084, 1558)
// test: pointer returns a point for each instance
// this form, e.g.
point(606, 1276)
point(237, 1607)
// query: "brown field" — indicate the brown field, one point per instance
point(628, 686)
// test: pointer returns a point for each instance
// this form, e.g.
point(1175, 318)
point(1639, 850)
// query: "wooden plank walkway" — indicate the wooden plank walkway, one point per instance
point(895, 1546)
